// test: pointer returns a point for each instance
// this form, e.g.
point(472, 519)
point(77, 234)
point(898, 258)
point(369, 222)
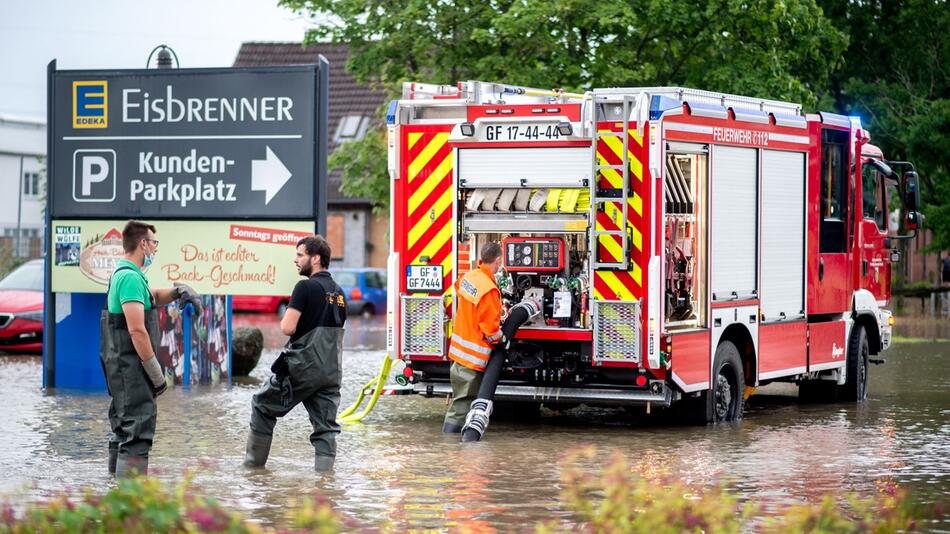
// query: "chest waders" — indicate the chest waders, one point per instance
point(132, 409)
point(308, 371)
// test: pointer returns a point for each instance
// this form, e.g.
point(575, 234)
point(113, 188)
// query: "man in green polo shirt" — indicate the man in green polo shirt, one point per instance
point(129, 339)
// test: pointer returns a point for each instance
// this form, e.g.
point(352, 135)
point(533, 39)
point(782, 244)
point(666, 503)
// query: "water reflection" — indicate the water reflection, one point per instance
point(399, 470)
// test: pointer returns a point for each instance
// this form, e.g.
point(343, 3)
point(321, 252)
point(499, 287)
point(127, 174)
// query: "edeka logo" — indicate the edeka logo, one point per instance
point(91, 104)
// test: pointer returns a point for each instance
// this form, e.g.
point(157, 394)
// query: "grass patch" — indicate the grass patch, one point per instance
point(912, 340)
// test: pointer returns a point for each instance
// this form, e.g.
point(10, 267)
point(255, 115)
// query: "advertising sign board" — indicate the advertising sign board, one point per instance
point(186, 143)
point(213, 257)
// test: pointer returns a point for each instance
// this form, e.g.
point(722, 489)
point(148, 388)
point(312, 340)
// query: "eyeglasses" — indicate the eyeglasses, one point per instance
point(151, 241)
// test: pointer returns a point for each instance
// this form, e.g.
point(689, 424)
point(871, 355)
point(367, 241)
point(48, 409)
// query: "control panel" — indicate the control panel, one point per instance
point(535, 254)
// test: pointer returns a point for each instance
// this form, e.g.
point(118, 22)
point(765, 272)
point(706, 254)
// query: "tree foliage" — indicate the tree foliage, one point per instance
point(896, 76)
point(782, 49)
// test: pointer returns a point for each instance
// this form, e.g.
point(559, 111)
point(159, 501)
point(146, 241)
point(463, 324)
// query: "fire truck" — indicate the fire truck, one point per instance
point(686, 246)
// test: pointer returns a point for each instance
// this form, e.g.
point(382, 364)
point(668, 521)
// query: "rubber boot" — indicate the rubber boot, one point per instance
point(323, 463)
point(258, 449)
point(476, 421)
point(129, 466)
point(113, 457)
point(451, 428)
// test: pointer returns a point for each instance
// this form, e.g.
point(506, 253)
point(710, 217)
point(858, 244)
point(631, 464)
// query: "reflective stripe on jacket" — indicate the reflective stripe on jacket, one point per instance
point(477, 319)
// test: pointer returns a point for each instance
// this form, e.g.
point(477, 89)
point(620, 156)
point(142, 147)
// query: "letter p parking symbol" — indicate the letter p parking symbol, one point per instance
point(94, 175)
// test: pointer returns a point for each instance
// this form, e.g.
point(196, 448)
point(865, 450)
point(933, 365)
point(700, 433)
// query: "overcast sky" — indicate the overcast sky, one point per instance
point(105, 34)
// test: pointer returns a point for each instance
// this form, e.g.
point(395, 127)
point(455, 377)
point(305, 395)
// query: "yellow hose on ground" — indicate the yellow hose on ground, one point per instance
point(376, 383)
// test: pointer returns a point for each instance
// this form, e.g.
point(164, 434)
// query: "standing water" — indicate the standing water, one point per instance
point(398, 469)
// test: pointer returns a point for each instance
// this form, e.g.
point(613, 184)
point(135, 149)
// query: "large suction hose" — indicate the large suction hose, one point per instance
point(476, 422)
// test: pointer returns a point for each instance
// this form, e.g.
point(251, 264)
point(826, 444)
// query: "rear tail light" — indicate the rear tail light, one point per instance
point(356, 294)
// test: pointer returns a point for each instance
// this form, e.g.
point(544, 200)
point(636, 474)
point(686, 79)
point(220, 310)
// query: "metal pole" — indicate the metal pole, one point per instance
point(49, 298)
point(19, 208)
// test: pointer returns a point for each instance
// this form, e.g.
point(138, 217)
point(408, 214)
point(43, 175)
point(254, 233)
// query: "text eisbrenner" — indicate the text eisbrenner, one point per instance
point(183, 193)
point(139, 106)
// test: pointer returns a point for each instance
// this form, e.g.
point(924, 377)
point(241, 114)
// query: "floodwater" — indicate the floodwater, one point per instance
point(398, 471)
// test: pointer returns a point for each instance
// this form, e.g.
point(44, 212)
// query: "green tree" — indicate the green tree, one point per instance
point(896, 77)
point(768, 48)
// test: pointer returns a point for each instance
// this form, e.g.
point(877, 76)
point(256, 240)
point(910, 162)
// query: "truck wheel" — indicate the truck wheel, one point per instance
point(856, 387)
point(724, 400)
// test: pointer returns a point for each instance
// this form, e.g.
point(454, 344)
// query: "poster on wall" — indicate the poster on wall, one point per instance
point(213, 257)
point(210, 352)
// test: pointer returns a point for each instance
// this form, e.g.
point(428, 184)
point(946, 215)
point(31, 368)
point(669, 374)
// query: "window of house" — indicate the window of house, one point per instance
point(351, 128)
point(31, 184)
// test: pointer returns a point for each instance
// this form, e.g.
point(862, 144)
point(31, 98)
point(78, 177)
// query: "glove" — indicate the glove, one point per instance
point(184, 295)
point(154, 372)
point(502, 341)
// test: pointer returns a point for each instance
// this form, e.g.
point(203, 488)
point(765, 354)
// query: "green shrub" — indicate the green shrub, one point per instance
point(616, 500)
point(610, 500)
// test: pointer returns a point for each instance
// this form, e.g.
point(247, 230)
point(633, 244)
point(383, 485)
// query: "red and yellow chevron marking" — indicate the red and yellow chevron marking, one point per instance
point(610, 284)
point(429, 196)
point(610, 152)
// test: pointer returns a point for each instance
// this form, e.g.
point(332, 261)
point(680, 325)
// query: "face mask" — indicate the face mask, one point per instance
point(149, 258)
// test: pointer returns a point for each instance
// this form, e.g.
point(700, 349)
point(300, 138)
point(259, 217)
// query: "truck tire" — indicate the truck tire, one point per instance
point(856, 387)
point(724, 401)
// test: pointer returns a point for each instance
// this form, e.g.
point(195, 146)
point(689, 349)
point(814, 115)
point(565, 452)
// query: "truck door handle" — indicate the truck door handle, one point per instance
point(864, 268)
point(821, 269)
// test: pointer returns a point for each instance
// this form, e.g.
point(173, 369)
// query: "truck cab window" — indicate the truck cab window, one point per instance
point(872, 196)
point(834, 191)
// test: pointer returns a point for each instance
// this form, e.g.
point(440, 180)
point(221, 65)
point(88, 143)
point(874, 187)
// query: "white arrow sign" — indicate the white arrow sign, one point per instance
point(268, 175)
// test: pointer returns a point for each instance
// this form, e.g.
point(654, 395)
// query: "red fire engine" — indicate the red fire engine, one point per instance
point(685, 245)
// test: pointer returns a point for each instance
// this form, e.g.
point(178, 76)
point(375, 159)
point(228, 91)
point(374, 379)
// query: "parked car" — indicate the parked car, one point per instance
point(251, 303)
point(365, 291)
point(21, 309)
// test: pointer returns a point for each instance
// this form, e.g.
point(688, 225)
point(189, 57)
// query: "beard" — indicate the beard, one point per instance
point(306, 270)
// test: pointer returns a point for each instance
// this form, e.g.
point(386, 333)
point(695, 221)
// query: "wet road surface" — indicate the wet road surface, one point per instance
point(398, 470)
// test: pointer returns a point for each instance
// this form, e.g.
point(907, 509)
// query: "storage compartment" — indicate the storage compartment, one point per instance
point(734, 223)
point(685, 240)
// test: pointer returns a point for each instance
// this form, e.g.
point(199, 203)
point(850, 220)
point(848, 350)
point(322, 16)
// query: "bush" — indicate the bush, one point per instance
point(616, 500)
point(142, 505)
point(611, 501)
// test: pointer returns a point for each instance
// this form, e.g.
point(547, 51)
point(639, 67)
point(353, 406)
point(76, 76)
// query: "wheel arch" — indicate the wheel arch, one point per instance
point(740, 336)
point(869, 323)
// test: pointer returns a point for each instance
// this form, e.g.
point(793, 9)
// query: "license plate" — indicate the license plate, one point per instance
point(427, 278)
point(520, 132)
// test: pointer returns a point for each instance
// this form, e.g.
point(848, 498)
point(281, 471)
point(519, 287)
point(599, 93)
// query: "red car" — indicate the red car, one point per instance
point(21, 309)
point(250, 303)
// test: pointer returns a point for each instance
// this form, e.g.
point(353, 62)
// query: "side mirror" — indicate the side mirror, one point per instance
point(911, 191)
point(883, 168)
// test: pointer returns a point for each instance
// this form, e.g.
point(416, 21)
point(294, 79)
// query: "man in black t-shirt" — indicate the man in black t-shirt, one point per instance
point(309, 370)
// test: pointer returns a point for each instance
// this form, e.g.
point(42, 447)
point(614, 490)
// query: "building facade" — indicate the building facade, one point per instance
point(23, 187)
point(357, 237)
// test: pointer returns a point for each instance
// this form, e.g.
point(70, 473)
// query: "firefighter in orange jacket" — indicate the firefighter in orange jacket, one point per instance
point(476, 329)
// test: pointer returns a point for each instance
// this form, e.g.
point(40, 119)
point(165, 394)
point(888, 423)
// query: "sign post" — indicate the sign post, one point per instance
point(221, 160)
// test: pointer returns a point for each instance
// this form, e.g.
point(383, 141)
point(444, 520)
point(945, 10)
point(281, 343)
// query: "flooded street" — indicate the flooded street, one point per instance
point(397, 469)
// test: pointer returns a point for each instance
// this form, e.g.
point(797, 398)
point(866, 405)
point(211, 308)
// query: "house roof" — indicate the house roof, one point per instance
point(347, 96)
